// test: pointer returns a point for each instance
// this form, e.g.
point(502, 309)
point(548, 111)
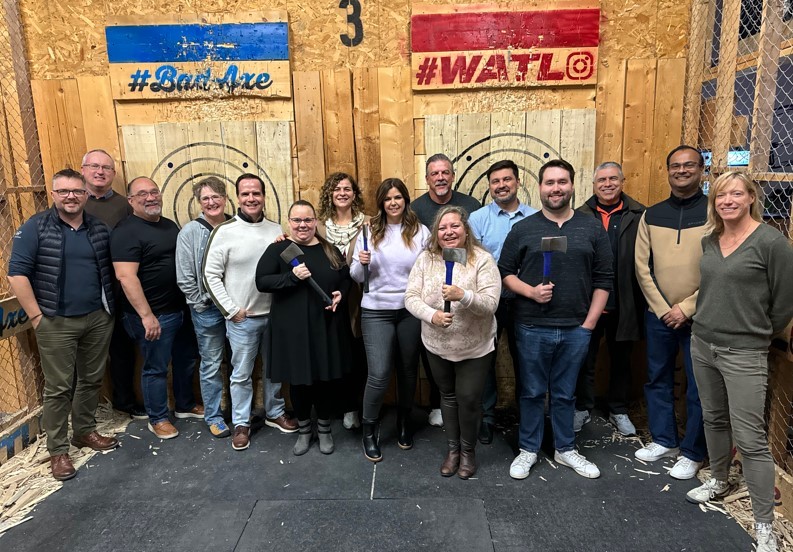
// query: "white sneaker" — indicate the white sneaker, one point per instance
point(581, 465)
point(653, 451)
point(712, 488)
point(522, 464)
point(685, 468)
point(579, 419)
point(351, 420)
point(623, 424)
point(436, 418)
point(766, 541)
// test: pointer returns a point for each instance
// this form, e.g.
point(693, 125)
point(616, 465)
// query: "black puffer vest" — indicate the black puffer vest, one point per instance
point(49, 259)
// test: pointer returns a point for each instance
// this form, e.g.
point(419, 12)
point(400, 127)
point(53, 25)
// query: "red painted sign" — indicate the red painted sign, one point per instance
point(501, 49)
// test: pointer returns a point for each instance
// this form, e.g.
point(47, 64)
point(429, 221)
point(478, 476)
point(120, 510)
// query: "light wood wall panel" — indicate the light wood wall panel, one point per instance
point(366, 127)
point(638, 127)
point(337, 122)
point(309, 134)
point(396, 125)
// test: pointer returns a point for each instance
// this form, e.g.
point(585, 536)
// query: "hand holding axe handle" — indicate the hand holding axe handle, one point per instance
point(365, 230)
point(290, 255)
point(452, 255)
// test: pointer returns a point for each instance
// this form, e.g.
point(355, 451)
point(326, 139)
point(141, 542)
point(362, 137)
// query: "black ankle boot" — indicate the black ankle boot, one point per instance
point(371, 448)
point(405, 434)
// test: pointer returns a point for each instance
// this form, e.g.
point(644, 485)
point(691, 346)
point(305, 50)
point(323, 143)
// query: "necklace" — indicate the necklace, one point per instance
point(736, 241)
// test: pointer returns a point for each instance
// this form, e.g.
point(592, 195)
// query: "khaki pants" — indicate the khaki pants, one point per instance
point(732, 388)
point(68, 346)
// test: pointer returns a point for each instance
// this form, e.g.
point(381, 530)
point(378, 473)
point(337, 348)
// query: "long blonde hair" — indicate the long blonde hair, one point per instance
point(434, 247)
point(715, 225)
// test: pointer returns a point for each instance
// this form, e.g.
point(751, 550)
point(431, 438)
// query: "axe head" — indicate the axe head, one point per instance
point(455, 255)
point(291, 253)
point(558, 243)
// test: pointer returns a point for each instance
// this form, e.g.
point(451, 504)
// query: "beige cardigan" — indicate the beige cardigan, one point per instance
point(473, 330)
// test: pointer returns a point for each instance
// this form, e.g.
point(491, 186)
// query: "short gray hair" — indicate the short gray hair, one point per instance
point(608, 165)
point(98, 151)
point(433, 159)
point(213, 183)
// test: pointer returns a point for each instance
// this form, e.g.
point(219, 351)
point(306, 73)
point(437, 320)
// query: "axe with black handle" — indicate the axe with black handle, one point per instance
point(290, 255)
point(452, 255)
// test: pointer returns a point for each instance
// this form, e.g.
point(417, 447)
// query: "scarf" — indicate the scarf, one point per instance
point(342, 235)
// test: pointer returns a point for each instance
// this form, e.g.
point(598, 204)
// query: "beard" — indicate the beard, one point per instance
point(153, 210)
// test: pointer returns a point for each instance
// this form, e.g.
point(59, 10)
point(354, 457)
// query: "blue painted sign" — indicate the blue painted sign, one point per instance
point(14, 318)
point(197, 42)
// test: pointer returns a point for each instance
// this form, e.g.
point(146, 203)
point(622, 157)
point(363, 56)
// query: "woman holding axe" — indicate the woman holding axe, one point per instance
point(382, 262)
point(454, 289)
point(310, 327)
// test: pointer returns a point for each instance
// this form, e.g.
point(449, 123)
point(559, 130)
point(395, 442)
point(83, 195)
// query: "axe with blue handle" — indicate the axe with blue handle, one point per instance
point(452, 255)
point(365, 230)
point(548, 246)
point(290, 255)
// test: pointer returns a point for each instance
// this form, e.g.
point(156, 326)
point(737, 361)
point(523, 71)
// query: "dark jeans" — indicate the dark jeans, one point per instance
point(460, 384)
point(663, 344)
point(391, 338)
point(122, 365)
point(505, 321)
point(549, 358)
point(177, 344)
point(319, 394)
point(619, 370)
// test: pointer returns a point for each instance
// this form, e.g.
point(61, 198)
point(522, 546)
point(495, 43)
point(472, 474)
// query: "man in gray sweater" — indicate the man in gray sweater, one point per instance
point(232, 253)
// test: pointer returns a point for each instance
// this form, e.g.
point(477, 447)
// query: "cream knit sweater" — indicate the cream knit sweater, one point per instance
point(473, 330)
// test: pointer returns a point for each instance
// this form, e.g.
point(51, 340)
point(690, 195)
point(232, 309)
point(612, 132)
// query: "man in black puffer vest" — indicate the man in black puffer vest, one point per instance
point(61, 273)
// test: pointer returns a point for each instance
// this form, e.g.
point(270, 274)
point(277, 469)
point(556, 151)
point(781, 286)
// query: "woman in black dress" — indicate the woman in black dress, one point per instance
point(310, 339)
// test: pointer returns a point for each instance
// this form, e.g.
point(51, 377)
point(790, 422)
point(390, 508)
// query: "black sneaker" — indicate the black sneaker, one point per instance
point(486, 433)
point(136, 412)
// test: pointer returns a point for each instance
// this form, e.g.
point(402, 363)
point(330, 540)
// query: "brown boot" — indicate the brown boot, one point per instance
point(62, 467)
point(467, 464)
point(451, 463)
point(95, 441)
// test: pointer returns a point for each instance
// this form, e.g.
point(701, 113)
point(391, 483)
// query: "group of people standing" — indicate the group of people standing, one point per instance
point(341, 302)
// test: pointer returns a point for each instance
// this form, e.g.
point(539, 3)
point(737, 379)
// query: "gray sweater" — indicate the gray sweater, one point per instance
point(746, 298)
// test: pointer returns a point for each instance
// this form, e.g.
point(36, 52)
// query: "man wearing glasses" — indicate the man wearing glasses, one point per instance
point(668, 251)
point(233, 251)
point(144, 258)
point(99, 170)
point(61, 273)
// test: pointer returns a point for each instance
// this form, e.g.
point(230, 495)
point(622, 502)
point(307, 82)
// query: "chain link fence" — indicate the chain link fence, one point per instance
point(739, 112)
point(22, 193)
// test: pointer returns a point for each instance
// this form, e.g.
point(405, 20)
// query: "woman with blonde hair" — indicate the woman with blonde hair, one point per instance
point(745, 297)
point(340, 221)
point(460, 343)
point(390, 333)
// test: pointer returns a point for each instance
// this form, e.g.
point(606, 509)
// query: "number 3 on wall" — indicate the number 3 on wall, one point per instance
point(353, 19)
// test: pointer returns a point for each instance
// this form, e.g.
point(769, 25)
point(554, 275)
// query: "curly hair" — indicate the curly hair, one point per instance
point(410, 222)
point(326, 209)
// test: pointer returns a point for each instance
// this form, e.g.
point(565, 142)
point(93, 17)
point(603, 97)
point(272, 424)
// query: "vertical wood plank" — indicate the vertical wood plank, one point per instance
point(610, 102)
point(201, 165)
point(765, 86)
point(696, 61)
point(440, 135)
point(140, 150)
point(309, 130)
point(725, 83)
point(274, 153)
point(396, 124)
point(577, 146)
point(546, 128)
point(418, 137)
point(338, 122)
point(472, 160)
point(99, 117)
point(366, 117)
point(638, 127)
point(667, 124)
point(171, 137)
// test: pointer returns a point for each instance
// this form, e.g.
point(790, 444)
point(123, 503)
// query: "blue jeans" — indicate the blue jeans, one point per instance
point(391, 338)
point(156, 355)
point(247, 339)
point(210, 330)
point(549, 359)
point(663, 344)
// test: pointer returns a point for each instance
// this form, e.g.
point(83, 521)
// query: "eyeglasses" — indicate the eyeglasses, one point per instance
point(97, 166)
point(65, 193)
point(144, 195)
point(207, 199)
point(299, 221)
point(689, 166)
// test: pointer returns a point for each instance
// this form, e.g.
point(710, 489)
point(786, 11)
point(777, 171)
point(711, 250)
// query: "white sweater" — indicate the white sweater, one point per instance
point(389, 268)
point(233, 251)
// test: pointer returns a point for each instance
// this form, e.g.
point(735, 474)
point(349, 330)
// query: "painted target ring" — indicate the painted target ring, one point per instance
point(181, 168)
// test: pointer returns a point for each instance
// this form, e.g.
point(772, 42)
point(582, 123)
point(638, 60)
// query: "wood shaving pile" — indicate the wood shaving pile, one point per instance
point(26, 479)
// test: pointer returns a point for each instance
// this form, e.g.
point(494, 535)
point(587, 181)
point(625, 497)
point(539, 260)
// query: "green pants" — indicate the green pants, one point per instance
point(72, 346)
